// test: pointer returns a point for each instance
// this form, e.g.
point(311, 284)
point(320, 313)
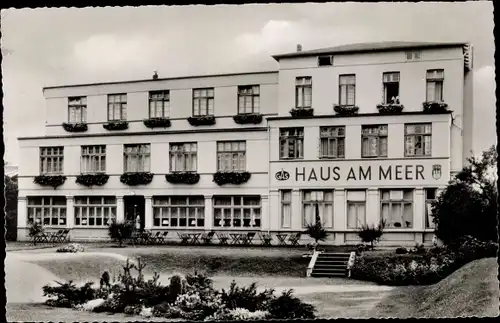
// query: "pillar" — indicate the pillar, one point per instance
point(339, 215)
point(22, 212)
point(120, 209)
point(272, 211)
point(264, 211)
point(70, 212)
point(418, 210)
point(209, 210)
point(373, 215)
point(296, 210)
point(148, 213)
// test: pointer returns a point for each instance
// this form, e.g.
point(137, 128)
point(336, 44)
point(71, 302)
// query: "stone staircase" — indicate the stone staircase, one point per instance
point(331, 264)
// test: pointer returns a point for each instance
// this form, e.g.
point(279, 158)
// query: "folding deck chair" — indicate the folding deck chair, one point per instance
point(294, 239)
point(207, 237)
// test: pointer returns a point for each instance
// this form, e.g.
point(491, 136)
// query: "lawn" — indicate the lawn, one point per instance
point(470, 291)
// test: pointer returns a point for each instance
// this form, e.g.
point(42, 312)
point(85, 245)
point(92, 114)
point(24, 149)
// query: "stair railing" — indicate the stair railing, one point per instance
point(312, 262)
point(350, 263)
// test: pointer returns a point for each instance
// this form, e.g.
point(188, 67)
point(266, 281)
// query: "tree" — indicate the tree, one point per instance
point(316, 231)
point(11, 192)
point(120, 231)
point(468, 205)
point(371, 234)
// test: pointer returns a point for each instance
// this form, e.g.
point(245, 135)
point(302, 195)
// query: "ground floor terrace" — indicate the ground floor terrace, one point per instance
point(277, 214)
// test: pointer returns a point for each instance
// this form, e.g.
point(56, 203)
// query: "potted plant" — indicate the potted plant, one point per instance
point(393, 107)
point(50, 180)
point(345, 110)
point(92, 179)
point(157, 122)
point(115, 125)
point(248, 118)
point(201, 120)
point(137, 178)
point(302, 112)
point(183, 178)
point(75, 127)
point(435, 107)
point(222, 178)
point(316, 231)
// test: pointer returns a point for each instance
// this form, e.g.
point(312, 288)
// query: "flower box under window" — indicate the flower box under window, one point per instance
point(157, 123)
point(236, 178)
point(75, 127)
point(302, 112)
point(115, 125)
point(248, 118)
point(390, 108)
point(133, 179)
point(201, 120)
point(92, 179)
point(345, 110)
point(183, 178)
point(50, 180)
point(435, 107)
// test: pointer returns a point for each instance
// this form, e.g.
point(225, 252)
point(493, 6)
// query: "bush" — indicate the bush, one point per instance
point(289, 307)
point(246, 297)
point(74, 247)
point(11, 193)
point(468, 206)
point(68, 294)
point(371, 234)
point(120, 231)
point(401, 251)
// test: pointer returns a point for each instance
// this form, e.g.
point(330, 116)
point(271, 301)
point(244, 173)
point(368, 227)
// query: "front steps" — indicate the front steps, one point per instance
point(331, 264)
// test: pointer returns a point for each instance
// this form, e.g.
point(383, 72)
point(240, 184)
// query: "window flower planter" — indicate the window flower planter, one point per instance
point(302, 112)
point(92, 179)
point(133, 179)
point(435, 107)
point(50, 180)
point(116, 125)
point(183, 178)
point(75, 127)
point(222, 178)
point(201, 120)
point(345, 110)
point(249, 118)
point(390, 108)
point(157, 123)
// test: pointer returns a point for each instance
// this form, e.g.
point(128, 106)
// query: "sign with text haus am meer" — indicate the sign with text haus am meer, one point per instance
point(365, 173)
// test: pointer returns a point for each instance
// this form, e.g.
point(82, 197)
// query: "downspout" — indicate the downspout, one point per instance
point(268, 177)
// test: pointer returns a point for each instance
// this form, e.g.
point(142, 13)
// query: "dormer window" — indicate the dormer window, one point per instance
point(325, 60)
point(413, 55)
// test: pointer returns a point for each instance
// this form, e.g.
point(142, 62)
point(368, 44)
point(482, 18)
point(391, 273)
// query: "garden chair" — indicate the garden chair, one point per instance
point(184, 238)
point(247, 239)
point(163, 238)
point(54, 236)
point(207, 237)
point(42, 237)
point(155, 238)
point(266, 239)
point(147, 237)
point(294, 239)
point(223, 237)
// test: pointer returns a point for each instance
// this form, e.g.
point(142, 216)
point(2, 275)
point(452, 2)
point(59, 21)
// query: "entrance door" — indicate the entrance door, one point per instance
point(134, 206)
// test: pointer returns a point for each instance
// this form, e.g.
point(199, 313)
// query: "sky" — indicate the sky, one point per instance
point(61, 46)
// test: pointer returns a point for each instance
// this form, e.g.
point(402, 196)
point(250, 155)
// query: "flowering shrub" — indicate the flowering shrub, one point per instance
point(302, 112)
point(133, 179)
point(75, 127)
point(183, 178)
point(222, 178)
point(157, 123)
point(345, 110)
point(50, 180)
point(390, 108)
point(73, 247)
point(115, 125)
point(237, 314)
point(248, 118)
point(91, 305)
point(92, 179)
point(435, 107)
point(68, 294)
point(201, 120)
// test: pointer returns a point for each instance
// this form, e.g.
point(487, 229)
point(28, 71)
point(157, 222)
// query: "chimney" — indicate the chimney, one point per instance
point(299, 47)
point(155, 76)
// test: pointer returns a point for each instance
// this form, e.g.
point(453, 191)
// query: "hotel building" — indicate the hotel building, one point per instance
point(365, 132)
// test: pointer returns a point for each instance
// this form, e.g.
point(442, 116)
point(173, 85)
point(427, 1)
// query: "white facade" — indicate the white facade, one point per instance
point(267, 201)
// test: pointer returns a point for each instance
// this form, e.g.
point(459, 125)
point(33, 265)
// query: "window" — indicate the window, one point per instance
point(203, 102)
point(93, 159)
point(291, 143)
point(136, 158)
point(347, 89)
point(434, 88)
point(47, 210)
point(237, 211)
point(303, 92)
point(248, 99)
point(179, 211)
point(356, 209)
point(183, 157)
point(159, 104)
point(413, 55)
point(325, 60)
point(323, 202)
point(374, 141)
point(77, 109)
point(418, 139)
point(231, 156)
point(117, 107)
point(430, 196)
point(397, 208)
point(391, 87)
point(96, 211)
point(286, 208)
point(51, 160)
point(332, 142)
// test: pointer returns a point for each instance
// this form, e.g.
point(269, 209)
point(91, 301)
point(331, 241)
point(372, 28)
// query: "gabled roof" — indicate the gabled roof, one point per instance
point(368, 47)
